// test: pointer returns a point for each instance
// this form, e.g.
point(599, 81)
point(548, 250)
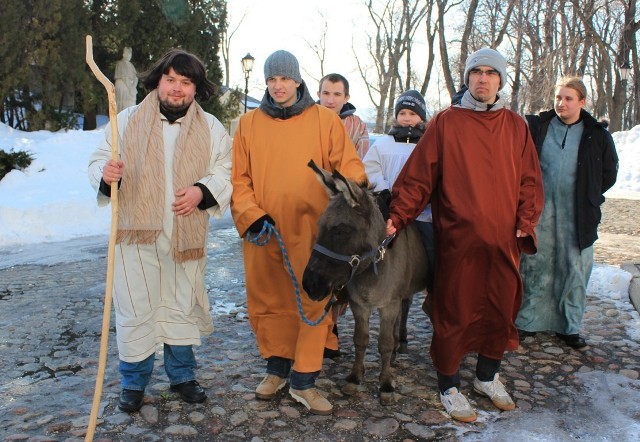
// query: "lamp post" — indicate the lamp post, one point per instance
point(625, 70)
point(247, 65)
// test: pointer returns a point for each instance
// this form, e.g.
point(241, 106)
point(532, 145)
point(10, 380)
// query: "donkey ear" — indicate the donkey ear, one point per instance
point(350, 190)
point(325, 178)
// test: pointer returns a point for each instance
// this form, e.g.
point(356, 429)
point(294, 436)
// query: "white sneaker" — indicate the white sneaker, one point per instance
point(457, 405)
point(495, 391)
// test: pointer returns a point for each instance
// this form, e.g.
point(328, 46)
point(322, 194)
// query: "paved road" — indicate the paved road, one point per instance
point(619, 232)
point(50, 319)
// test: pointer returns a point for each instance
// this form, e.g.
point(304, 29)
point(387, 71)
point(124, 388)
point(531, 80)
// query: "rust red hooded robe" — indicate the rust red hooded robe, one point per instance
point(480, 172)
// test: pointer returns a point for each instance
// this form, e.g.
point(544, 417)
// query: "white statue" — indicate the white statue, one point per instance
point(126, 81)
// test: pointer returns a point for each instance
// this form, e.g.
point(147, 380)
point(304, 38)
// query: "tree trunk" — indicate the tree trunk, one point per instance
point(90, 121)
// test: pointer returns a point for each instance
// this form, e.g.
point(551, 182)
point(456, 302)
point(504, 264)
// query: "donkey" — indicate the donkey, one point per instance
point(351, 251)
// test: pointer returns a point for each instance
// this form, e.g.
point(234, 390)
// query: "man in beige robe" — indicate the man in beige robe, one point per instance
point(173, 172)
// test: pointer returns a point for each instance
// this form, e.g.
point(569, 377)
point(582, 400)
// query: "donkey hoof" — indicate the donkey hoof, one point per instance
point(350, 389)
point(403, 348)
point(387, 398)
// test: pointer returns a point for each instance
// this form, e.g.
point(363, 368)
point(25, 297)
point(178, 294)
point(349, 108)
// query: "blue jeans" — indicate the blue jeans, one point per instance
point(281, 367)
point(179, 363)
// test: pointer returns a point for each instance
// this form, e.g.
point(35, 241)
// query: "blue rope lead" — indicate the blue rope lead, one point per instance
point(261, 239)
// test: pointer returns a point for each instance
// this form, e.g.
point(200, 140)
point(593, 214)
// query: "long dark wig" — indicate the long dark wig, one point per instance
point(183, 63)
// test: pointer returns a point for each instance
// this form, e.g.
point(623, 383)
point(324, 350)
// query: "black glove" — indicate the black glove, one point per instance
point(383, 198)
point(256, 227)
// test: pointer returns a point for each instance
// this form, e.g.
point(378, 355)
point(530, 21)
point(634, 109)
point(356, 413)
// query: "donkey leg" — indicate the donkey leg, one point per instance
point(402, 325)
point(361, 316)
point(389, 316)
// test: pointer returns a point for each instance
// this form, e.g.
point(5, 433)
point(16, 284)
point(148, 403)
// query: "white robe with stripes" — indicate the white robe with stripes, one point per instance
point(157, 300)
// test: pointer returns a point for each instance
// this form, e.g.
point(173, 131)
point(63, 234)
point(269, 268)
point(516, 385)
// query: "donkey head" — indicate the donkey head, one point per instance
point(350, 226)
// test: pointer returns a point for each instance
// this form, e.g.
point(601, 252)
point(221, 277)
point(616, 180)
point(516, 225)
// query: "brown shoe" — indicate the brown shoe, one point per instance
point(313, 400)
point(269, 386)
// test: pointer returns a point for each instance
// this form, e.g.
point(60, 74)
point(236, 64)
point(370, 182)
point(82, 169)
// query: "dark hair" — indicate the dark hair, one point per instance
point(335, 78)
point(183, 63)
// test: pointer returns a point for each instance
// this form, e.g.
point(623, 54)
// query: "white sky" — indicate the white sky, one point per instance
point(286, 24)
point(48, 213)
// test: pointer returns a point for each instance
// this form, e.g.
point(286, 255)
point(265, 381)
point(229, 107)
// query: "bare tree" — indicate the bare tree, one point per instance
point(603, 24)
point(412, 14)
point(319, 48)
point(485, 25)
point(395, 23)
point(379, 48)
point(540, 61)
point(226, 34)
point(541, 39)
point(628, 56)
point(466, 37)
point(518, 49)
point(431, 29)
point(443, 8)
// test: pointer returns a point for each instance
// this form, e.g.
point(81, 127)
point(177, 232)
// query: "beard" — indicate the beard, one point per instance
point(174, 107)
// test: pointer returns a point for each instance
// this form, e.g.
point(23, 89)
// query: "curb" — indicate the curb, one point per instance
point(634, 285)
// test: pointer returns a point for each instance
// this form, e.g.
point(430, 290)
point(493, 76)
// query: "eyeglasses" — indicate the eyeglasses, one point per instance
point(491, 73)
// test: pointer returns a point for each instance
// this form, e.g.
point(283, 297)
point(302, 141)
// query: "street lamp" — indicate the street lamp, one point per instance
point(625, 70)
point(247, 65)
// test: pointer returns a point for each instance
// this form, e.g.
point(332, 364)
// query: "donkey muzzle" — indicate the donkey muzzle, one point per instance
point(315, 285)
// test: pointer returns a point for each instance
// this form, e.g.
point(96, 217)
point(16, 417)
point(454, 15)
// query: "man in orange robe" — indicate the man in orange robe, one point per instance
point(271, 182)
point(477, 165)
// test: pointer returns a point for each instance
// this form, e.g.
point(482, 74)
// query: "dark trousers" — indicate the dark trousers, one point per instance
point(486, 369)
point(429, 243)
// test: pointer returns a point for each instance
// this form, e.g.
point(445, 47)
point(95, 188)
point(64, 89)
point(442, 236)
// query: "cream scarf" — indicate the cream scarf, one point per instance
point(143, 181)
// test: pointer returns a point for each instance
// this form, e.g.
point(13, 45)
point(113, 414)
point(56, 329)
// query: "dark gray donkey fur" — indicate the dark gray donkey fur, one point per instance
point(353, 225)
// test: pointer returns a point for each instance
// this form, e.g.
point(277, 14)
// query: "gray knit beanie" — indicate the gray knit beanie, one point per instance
point(413, 101)
point(282, 63)
point(487, 57)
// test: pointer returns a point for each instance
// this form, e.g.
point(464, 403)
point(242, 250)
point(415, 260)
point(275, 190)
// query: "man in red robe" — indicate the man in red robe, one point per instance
point(477, 165)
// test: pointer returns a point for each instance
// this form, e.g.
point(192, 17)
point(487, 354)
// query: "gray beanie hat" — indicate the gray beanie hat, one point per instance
point(487, 57)
point(282, 63)
point(413, 101)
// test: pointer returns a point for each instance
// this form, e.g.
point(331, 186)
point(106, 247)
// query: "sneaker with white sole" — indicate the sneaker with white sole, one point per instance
point(269, 386)
point(495, 391)
point(313, 400)
point(457, 406)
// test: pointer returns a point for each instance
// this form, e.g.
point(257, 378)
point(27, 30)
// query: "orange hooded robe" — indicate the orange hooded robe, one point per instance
point(270, 176)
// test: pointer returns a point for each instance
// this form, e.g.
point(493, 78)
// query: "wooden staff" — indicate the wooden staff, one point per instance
point(106, 317)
